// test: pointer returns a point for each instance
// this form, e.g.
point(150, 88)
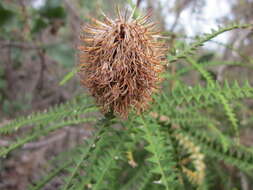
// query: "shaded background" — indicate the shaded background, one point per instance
point(38, 40)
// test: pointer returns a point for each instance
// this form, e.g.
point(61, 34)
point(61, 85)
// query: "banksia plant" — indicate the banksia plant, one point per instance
point(120, 62)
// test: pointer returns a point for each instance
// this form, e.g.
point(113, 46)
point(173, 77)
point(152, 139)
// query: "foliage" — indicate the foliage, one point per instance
point(165, 148)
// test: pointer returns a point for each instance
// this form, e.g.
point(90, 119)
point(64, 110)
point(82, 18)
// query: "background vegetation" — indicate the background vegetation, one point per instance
point(197, 135)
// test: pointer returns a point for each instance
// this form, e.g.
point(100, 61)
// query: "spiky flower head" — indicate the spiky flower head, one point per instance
point(120, 62)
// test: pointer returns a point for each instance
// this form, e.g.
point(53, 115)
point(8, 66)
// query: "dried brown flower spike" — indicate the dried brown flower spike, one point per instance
point(121, 62)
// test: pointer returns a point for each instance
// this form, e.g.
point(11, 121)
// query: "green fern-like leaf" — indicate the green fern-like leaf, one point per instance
point(188, 68)
point(139, 180)
point(105, 166)
point(50, 176)
point(235, 154)
point(85, 153)
point(189, 50)
point(206, 96)
point(228, 109)
point(78, 160)
point(73, 108)
point(42, 132)
point(161, 158)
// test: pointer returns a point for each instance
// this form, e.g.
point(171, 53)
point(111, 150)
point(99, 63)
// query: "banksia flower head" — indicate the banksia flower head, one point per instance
point(120, 62)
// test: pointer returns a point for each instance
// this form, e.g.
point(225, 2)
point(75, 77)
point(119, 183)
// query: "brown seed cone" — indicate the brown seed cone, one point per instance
point(120, 62)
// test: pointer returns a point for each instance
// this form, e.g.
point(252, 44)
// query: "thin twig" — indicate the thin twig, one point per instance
point(26, 45)
point(138, 3)
point(19, 45)
point(73, 10)
point(41, 54)
point(46, 142)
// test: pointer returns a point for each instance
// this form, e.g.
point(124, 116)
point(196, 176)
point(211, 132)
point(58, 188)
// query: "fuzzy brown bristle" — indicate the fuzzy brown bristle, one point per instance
point(120, 63)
